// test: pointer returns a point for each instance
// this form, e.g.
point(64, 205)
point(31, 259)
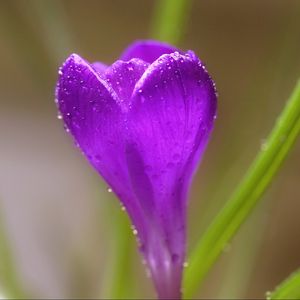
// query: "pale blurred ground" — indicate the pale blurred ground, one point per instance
point(57, 212)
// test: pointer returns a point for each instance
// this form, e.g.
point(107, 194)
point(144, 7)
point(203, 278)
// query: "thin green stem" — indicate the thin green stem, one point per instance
point(246, 196)
point(169, 20)
point(117, 283)
point(288, 289)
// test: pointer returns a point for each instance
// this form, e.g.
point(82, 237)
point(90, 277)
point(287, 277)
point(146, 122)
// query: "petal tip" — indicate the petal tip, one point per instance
point(147, 50)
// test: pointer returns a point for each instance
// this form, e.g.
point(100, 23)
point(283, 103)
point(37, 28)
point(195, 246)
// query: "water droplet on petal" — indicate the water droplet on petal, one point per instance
point(59, 116)
point(185, 264)
point(66, 128)
point(97, 158)
point(134, 231)
point(109, 190)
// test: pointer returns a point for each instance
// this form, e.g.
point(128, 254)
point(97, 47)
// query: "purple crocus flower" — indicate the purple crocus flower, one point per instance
point(143, 123)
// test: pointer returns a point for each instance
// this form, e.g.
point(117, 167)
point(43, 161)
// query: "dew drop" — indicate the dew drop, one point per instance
point(59, 116)
point(66, 128)
point(185, 264)
point(97, 158)
point(109, 190)
point(264, 145)
point(134, 231)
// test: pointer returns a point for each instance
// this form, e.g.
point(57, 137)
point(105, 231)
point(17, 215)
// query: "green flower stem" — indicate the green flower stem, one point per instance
point(246, 196)
point(117, 283)
point(288, 289)
point(169, 20)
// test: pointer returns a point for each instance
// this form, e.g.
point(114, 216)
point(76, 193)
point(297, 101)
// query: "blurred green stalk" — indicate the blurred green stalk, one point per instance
point(288, 289)
point(118, 280)
point(10, 283)
point(169, 20)
point(246, 196)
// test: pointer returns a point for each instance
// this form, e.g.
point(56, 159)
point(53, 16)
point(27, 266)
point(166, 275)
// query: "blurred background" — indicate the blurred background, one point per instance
point(59, 221)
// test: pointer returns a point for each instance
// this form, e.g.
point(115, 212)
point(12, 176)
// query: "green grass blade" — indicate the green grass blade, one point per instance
point(169, 20)
point(246, 196)
point(288, 289)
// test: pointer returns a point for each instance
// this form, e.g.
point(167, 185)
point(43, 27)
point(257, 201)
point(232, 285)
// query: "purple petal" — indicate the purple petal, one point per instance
point(92, 113)
point(99, 67)
point(173, 109)
point(122, 77)
point(147, 50)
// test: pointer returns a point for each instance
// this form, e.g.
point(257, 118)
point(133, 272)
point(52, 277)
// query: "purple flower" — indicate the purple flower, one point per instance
point(143, 123)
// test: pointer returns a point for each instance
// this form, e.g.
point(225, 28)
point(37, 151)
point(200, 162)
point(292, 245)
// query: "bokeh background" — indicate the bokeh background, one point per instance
point(56, 213)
